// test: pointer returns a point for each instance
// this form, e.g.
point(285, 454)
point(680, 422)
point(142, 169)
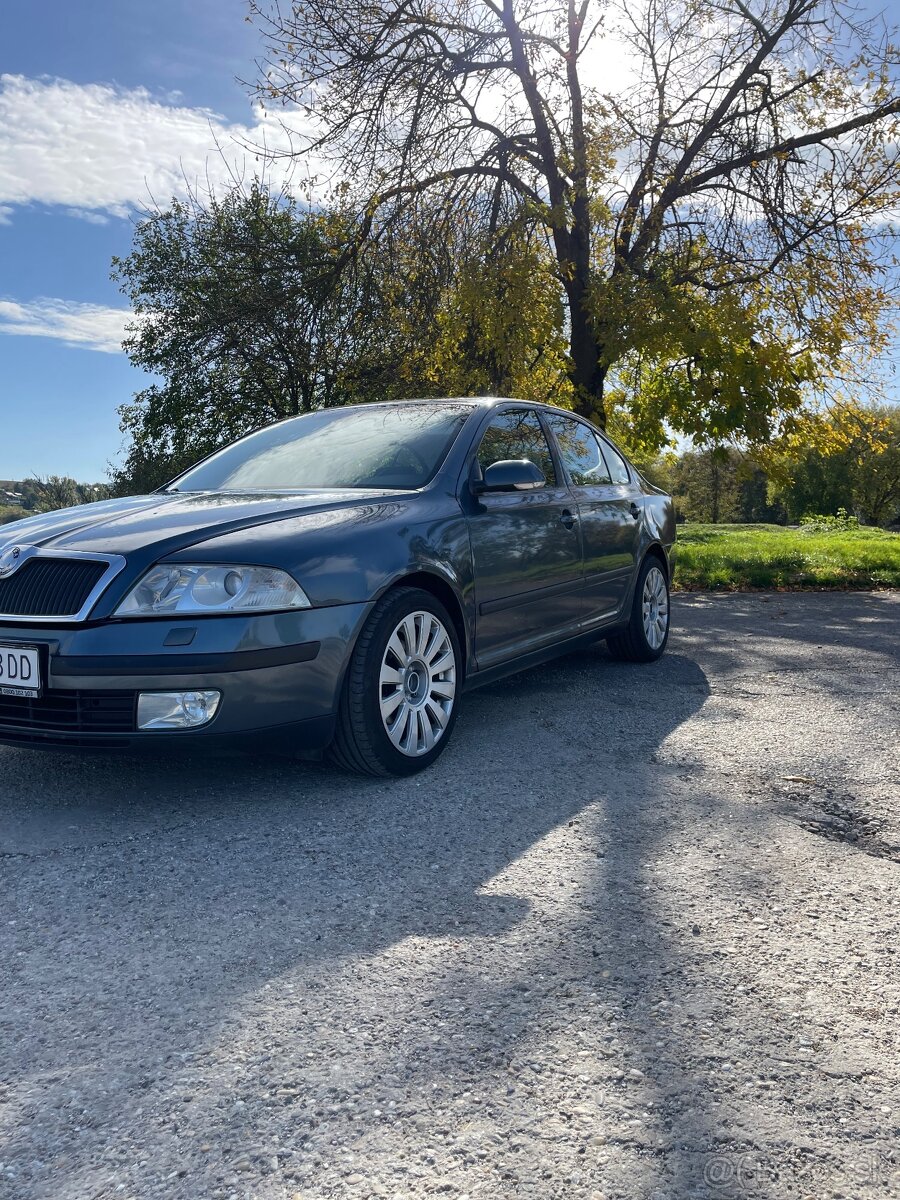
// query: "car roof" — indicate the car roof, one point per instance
point(437, 401)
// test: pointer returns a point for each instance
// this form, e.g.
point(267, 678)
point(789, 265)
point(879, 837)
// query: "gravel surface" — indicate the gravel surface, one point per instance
point(635, 936)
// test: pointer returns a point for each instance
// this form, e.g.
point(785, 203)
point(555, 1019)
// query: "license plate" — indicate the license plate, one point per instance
point(20, 671)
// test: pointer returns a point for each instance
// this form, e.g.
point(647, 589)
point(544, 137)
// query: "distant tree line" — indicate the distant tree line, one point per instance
point(37, 495)
point(860, 474)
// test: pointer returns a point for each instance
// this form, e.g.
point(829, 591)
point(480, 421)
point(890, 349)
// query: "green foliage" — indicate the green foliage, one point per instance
point(657, 469)
point(841, 522)
point(876, 461)
point(721, 484)
point(55, 491)
point(500, 324)
point(818, 483)
point(250, 311)
point(847, 459)
point(767, 556)
point(706, 365)
point(59, 491)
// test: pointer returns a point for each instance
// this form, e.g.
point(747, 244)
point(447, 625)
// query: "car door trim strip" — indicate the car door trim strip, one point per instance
point(520, 598)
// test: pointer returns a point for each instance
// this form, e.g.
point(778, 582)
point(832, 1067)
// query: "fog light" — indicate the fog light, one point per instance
point(176, 710)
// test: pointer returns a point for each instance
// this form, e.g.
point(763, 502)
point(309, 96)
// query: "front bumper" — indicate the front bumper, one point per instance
point(279, 674)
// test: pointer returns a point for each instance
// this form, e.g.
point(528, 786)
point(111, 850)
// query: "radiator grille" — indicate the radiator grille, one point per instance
point(68, 715)
point(49, 587)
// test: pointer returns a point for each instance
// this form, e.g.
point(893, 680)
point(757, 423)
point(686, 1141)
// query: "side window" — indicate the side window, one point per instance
point(516, 434)
point(579, 450)
point(618, 470)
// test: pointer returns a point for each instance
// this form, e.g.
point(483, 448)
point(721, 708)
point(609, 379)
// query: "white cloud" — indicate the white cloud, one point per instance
point(88, 325)
point(97, 149)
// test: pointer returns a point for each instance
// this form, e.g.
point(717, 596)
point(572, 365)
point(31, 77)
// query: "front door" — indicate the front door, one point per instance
point(526, 547)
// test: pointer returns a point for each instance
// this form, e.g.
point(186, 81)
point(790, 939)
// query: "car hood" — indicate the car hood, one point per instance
point(167, 522)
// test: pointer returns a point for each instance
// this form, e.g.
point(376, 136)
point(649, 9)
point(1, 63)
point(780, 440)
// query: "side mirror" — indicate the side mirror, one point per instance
point(511, 475)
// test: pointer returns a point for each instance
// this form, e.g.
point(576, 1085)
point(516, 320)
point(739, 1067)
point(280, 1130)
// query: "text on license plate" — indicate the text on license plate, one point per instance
point(20, 671)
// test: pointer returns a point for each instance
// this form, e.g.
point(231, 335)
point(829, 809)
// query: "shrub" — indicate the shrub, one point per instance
point(841, 522)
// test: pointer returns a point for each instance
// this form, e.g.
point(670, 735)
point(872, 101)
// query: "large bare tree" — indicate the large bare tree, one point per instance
point(712, 143)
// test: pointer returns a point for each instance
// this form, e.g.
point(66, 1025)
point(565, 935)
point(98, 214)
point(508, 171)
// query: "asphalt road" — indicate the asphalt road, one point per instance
point(635, 936)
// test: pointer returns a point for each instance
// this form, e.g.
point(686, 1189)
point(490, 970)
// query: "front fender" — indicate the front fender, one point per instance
point(353, 555)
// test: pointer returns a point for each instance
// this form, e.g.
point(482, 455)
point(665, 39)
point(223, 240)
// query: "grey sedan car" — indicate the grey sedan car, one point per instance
point(333, 583)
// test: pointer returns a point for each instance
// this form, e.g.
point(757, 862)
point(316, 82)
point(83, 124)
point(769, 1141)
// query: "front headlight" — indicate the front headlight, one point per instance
point(172, 589)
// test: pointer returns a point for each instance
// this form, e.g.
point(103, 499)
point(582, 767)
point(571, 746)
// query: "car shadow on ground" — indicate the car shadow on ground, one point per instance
point(240, 955)
point(189, 887)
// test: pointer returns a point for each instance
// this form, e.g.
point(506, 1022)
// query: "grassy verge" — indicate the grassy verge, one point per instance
point(769, 556)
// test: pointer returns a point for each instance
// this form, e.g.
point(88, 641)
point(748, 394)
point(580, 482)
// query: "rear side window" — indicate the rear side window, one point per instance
point(579, 450)
point(516, 434)
point(618, 469)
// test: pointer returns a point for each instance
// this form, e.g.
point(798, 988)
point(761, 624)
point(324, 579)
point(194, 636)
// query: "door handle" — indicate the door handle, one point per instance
point(568, 518)
point(635, 510)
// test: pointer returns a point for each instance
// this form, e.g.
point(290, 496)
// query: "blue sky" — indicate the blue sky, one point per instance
point(65, 208)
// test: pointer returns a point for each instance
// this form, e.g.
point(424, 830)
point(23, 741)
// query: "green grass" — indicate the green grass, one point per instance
point(770, 556)
point(11, 512)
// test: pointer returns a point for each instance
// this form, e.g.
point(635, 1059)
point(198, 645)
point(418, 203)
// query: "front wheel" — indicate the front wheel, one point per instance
point(399, 700)
point(645, 636)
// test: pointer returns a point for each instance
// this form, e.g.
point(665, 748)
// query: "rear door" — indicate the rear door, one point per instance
point(610, 509)
point(526, 546)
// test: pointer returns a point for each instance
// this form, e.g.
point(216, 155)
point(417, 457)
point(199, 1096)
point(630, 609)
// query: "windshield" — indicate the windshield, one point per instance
point(399, 447)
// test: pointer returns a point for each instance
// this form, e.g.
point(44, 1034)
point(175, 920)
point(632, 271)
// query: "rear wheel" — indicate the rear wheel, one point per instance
point(399, 700)
point(644, 638)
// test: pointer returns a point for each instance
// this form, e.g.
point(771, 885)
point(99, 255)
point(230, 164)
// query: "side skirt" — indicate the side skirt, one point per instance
point(479, 679)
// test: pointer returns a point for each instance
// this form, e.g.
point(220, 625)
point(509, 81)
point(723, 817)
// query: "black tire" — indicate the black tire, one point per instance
point(361, 742)
point(631, 644)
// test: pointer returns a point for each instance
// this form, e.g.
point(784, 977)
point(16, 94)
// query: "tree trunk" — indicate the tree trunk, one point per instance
point(588, 373)
point(714, 463)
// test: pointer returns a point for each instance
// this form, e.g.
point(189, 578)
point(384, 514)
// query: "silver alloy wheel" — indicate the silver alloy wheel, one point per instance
point(655, 608)
point(417, 684)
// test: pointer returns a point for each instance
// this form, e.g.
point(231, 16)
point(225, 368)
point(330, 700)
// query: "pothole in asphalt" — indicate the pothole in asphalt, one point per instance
point(840, 822)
